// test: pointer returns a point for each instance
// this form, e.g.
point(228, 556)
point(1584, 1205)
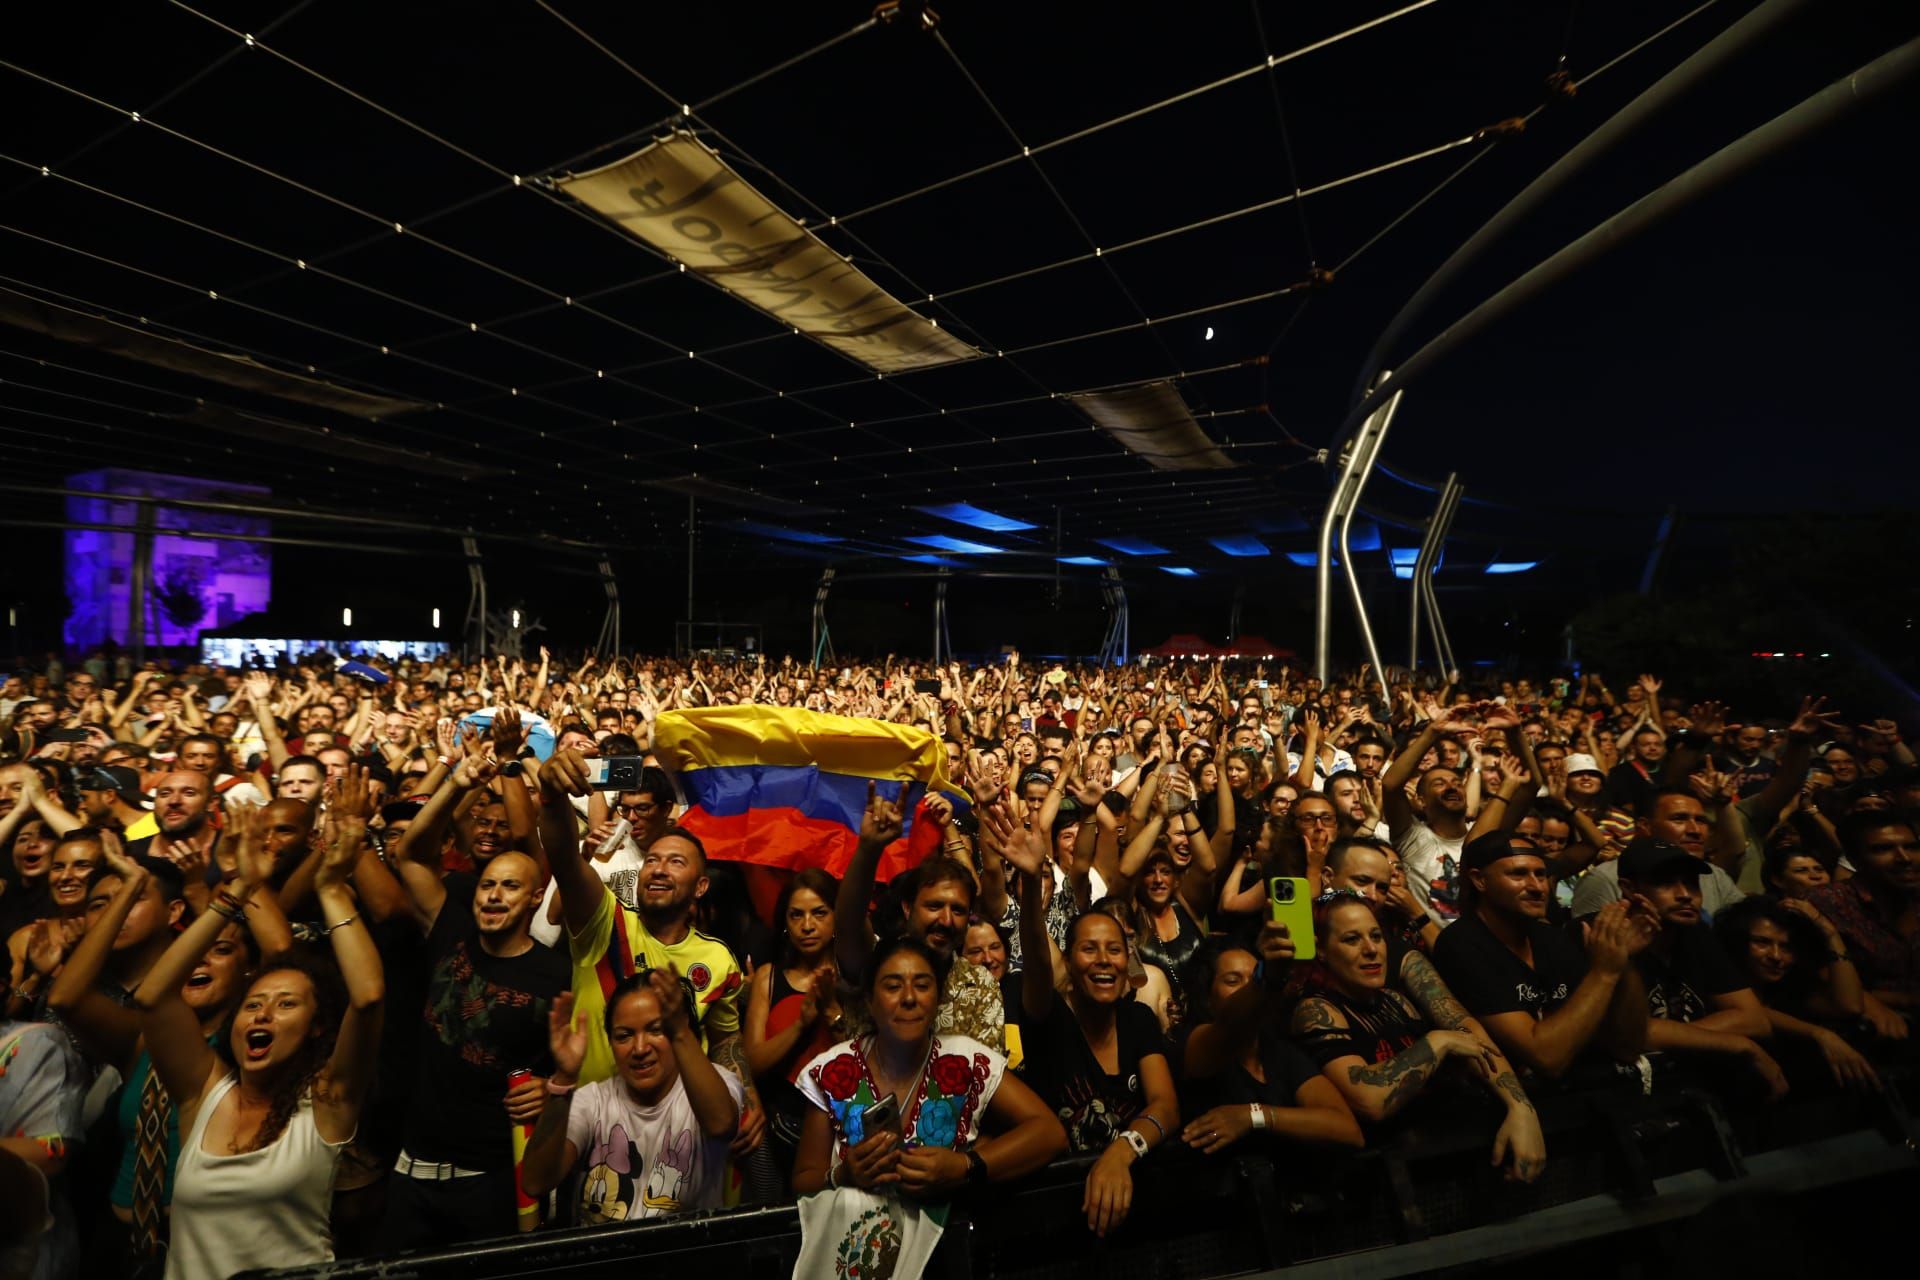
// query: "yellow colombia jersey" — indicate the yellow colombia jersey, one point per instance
point(616, 945)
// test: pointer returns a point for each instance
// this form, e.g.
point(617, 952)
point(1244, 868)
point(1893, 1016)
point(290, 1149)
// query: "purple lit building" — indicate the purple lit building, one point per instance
point(197, 581)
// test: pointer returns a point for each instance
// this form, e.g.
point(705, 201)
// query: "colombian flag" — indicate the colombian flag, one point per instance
point(785, 788)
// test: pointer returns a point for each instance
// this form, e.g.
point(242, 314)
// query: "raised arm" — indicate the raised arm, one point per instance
point(580, 890)
point(110, 1030)
point(853, 937)
point(1025, 851)
point(337, 1099)
point(714, 1109)
point(259, 687)
point(549, 1156)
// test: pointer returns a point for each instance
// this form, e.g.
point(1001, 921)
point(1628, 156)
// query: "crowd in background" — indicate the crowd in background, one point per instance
point(346, 959)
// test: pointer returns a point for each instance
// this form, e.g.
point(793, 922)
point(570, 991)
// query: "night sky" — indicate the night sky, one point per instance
point(1742, 360)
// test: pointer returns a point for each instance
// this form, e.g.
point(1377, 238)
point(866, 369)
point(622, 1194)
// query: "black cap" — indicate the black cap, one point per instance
point(111, 777)
point(1646, 858)
point(1484, 851)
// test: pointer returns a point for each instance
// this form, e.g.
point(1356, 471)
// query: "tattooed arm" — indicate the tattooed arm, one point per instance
point(729, 1050)
point(1519, 1143)
point(1378, 1090)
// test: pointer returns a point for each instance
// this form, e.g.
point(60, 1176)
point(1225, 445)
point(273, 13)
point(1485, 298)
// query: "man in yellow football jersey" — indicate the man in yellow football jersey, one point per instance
point(608, 941)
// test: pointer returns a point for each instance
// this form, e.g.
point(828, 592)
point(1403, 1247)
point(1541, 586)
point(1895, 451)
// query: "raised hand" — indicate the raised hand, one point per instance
point(1709, 718)
point(342, 850)
point(1813, 719)
point(672, 998)
point(507, 734)
point(1003, 831)
point(881, 822)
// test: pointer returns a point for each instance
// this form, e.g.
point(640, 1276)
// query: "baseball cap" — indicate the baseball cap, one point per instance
point(1484, 851)
point(1646, 858)
point(112, 777)
point(1580, 762)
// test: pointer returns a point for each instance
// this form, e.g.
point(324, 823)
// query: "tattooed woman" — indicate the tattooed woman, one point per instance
point(1382, 1036)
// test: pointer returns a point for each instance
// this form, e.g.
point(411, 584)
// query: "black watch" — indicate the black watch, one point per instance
point(512, 769)
point(976, 1170)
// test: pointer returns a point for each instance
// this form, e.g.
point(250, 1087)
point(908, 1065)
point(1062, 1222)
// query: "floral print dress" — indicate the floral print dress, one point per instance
point(852, 1234)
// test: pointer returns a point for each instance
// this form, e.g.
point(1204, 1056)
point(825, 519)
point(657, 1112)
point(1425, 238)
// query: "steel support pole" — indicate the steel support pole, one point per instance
point(1338, 504)
point(473, 631)
point(1429, 553)
point(690, 516)
point(1871, 83)
point(1443, 647)
point(1377, 437)
point(140, 582)
point(822, 641)
point(940, 641)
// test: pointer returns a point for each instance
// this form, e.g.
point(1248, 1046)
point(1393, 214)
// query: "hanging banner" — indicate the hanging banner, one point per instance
point(679, 196)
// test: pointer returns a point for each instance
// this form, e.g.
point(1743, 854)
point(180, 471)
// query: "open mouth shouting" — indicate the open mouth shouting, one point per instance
point(258, 1044)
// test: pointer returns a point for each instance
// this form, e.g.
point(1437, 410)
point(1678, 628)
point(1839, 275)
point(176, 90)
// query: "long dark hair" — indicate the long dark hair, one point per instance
point(821, 884)
point(1733, 924)
point(330, 1006)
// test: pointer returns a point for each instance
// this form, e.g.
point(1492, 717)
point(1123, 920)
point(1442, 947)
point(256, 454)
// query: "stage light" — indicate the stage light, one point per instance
point(968, 514)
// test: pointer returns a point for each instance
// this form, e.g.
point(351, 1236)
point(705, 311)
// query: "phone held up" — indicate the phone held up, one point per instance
point(1290, 902)
point(615, 773)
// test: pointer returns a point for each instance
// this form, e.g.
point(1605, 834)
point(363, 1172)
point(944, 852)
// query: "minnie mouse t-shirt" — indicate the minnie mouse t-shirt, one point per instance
point(645, 1161)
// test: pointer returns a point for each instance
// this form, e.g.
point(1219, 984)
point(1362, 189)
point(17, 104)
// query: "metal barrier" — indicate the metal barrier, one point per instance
point(1620, 1164)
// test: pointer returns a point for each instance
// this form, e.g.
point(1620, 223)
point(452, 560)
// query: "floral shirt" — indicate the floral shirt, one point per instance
point(970, 1006)
point(1885, 960)
point(959, 1082)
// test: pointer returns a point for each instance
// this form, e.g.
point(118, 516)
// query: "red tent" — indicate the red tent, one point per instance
point(1182, 646)
point(1257, 647)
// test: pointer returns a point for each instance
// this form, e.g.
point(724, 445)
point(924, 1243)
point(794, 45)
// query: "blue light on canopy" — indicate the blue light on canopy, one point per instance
point(1178, 570)
point(941, 542)
point(1132, 546)
point(968, 514)
point(787, 535)
point(1239, 545)
point(930, 558)
point(1511, 566)
point(1308, 559)
point(1364, 536)
point(1404, 558)
point(1092, 562)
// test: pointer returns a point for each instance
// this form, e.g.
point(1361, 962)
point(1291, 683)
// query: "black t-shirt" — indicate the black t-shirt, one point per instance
point(1376, 1031)
point(1281, 1061)
point(1489, 979)
point(1682, 985)
point(1093, 1105)
point(483, 1017)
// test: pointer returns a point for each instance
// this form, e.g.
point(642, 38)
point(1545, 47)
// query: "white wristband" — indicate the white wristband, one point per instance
point(1259, 1114)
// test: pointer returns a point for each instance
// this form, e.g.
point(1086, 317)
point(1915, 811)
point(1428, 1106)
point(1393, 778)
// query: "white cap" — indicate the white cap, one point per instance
point(1578, 763)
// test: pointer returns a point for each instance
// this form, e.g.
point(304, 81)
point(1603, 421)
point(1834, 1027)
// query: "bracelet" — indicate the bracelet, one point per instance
point(1839, 957)
point(1258, 1115)
point(1155, 1123)
point(558, 1090)
point(222, 906)
point(1496, 796)
point(446, 762)
point(329, 928)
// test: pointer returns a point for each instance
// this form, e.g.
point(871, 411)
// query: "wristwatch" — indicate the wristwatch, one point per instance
point(1136, 1141)
point(976, 1170)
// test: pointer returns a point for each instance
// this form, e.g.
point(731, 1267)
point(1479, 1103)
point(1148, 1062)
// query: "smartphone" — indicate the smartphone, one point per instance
point(1290, 902)
point(884, 1114)
point(621, 830)
point(926, 686)
point(615, 773)
point(67, 735)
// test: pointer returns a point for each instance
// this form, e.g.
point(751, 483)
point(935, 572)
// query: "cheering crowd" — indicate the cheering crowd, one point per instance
point(340, 960)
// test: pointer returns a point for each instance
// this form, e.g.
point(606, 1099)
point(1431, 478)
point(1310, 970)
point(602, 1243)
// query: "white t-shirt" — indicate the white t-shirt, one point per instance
point(645, 1162)
point(1321, 769)
point(625, 858)
point(1432, 865)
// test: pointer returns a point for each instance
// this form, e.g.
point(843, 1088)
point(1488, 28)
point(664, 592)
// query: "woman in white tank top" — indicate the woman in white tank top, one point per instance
point(266, 1111)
